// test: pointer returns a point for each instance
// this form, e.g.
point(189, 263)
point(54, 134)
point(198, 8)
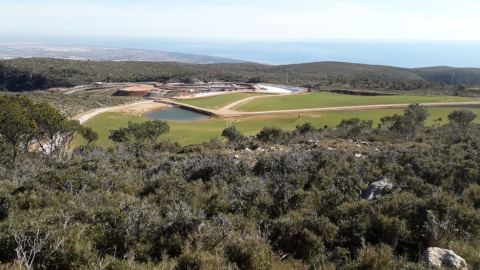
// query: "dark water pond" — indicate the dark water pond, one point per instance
point(177, 114)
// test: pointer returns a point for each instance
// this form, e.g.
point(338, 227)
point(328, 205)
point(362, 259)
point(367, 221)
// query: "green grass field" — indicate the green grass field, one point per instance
point(107, 121)
point(324, 100)
point(183, 132)
point(219, 101)
point(196, 132)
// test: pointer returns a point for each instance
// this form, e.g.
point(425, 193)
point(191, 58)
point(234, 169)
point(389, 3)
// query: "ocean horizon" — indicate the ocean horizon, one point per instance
point(399, 53)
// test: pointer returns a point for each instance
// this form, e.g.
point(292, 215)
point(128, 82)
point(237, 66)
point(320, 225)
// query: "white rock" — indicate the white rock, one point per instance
point(443, 257)
point(375, 189)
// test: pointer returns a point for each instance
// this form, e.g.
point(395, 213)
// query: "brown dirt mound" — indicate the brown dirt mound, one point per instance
point(134, 91)
point(126, 93)
point(140, 109)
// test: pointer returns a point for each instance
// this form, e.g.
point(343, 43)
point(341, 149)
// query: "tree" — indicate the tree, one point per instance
point(352, 128)
point(149, 130)
point(55, 131)
point(387, 122)
point(233, 134)
point(413, 119)
point(462, 118)
point(66, 133)
point(17, 127)
point(270, 134)
point(305, 128)
point(121, 135)
point(24, 124)
point(88, 134)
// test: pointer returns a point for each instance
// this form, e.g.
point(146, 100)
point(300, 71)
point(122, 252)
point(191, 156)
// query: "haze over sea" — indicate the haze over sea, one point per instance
point(400, 53)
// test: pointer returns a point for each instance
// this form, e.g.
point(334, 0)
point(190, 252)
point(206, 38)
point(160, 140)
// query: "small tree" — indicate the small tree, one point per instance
point(120, 135)
point(462, 119)
point(233, 134)
point(55, 131)
point(24, 124)
point(387, 122)
point(89, 135)
point(270, 134)
point(411, 121)
point(352, 128)
point(305, 128)
point(17, 127)
point(149, 130)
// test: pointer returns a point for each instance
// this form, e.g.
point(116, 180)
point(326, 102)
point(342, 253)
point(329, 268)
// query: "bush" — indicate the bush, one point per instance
point(248, 254)
point(271, 135)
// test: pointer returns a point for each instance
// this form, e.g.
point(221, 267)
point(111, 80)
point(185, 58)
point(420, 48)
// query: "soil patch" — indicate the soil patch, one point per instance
point(135, 90)
point(141, 109)
point(359, 92)
point(312, 115)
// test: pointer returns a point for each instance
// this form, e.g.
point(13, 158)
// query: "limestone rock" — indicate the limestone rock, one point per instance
point(375, 189)
point(443, 257)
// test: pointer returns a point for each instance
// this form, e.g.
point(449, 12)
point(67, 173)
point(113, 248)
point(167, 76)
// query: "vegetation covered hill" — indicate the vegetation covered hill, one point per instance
point(74, 104)
point(40, 73)
point(450, 75)
point(292, 200)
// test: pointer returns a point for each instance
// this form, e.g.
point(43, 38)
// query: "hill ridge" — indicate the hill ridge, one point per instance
point(37, 73)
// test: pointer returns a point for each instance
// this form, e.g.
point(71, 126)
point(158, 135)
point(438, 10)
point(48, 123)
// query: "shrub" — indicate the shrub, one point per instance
point(248, 254)
point(271, 134)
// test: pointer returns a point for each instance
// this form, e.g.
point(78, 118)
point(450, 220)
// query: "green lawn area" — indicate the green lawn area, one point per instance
point(107, 121)
point(219, 101)
point(196, 132)
point(183, 132)
point(324, 100)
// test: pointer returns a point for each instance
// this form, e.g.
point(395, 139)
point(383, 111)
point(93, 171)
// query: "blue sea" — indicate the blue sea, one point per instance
point(409, 54)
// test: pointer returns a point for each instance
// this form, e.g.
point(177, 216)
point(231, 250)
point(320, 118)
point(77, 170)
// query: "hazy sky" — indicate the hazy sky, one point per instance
point(246, 19)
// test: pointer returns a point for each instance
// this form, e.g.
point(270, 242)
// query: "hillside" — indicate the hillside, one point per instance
point(449, 75)
point(337, 69)
point(41, 73)
point(355, 196)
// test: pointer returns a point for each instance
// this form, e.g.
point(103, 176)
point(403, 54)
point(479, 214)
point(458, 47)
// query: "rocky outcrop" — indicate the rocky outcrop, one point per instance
point(376, 189)
point(443, 257)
